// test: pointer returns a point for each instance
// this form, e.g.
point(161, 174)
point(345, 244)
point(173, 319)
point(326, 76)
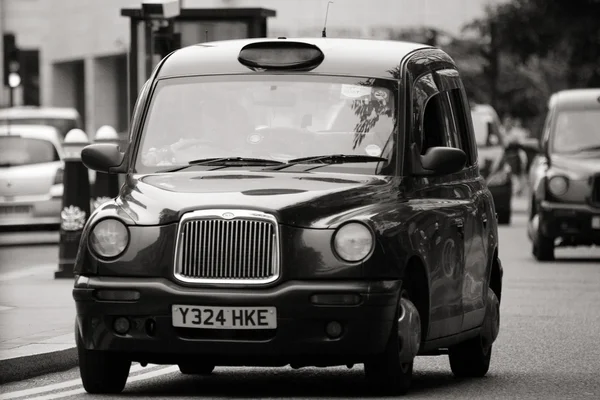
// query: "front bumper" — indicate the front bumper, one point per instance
point(300, 336)
point(576, 223)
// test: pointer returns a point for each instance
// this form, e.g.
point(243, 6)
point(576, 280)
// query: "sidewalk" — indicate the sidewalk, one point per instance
point(37, 315)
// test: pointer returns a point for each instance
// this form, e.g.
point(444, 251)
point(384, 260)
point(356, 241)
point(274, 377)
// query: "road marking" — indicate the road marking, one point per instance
point(140, 377)
point(23, 273)
point(60, 385)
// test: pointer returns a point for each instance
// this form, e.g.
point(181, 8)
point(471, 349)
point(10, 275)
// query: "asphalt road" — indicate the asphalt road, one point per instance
point(547, 348)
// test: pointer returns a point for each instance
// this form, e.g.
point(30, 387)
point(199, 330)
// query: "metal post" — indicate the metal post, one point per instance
point(75, 202)
point(149, 48)
point(133, 65)
point(11, 93)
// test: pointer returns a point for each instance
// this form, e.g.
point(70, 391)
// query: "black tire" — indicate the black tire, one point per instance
point(504, 216)
point(543, 247)
point(102, 372)
point(385, 372)
point(196, 369)
point(471, 358)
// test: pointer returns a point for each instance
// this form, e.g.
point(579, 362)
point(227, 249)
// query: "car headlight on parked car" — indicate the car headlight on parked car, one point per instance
point(558, 185)
point(353, 242)
point(109, 238)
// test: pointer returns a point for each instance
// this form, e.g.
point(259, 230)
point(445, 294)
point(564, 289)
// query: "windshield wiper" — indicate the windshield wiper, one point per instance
point(226, 161)
point(329, 159)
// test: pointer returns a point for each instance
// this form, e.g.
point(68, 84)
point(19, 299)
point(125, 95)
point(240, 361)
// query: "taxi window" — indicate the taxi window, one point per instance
point(16, 151)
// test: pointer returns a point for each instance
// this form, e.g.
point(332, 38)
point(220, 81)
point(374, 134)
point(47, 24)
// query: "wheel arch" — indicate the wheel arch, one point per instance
point(496, 273)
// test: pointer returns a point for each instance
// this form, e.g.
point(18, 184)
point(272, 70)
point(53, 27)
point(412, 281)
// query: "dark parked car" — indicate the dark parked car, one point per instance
point(491, 146)
point(311, 202)
point(565, 176)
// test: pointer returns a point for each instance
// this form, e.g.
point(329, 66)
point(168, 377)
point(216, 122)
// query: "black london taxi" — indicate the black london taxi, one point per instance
point(565, 176)
point(302, 202)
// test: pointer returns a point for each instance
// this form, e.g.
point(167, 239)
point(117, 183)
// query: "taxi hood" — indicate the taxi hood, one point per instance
point(299, 199)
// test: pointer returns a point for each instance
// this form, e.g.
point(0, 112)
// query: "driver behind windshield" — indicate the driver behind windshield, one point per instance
point(275, 120)
point(210, 127)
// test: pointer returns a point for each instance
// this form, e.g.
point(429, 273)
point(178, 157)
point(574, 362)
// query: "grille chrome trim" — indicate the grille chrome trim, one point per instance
point(254, 225)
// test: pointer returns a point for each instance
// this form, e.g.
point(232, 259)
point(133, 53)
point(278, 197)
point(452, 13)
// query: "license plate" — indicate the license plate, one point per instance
point(224, 317)
point(12, 211)
point(596, 222)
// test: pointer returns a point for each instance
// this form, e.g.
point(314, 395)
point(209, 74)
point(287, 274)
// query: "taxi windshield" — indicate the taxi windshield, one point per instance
point(577, 130)
point(277, 118)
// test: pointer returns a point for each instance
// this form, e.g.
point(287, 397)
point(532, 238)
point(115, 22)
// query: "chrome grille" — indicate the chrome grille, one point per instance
point(227, 246)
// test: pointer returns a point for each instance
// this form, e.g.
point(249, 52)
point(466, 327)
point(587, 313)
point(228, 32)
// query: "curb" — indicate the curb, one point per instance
point(27, 367)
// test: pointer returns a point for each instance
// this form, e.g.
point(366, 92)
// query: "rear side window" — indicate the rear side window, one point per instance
point(16, 151)
point(458, 108)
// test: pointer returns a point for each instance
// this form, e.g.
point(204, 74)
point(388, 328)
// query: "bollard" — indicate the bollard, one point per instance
point(75, 202)
point(106, 186)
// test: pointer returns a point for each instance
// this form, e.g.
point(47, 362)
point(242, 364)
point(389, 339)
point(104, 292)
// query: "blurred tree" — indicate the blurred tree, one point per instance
point(568, 28)
point(529, 49)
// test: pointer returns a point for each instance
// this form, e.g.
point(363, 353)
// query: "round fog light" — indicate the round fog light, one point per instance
point(333, 329)
point(121, 325)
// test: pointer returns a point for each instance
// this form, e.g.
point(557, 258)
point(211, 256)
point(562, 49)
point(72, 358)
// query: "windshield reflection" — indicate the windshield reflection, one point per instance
point(274, 118)
point(577, 130)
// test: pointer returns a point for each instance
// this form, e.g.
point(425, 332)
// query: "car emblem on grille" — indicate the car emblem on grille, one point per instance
point(228, 215)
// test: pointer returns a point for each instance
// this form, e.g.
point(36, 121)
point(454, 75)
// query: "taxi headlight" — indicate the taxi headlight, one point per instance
point(109, 238)
point(353, 242)
point(558, 185)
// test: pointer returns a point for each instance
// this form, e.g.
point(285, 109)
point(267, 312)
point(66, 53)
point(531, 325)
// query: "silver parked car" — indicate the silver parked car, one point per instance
point(31, 172)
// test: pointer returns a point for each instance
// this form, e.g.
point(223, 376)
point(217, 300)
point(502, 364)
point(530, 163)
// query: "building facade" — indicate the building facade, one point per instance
point(74, 53)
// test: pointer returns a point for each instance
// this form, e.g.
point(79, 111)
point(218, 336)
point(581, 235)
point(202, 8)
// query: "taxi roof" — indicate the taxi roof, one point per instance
point(576, 98)
point(352, 57)
point(38, 112)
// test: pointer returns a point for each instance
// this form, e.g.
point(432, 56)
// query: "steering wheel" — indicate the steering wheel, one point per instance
point(280, 138)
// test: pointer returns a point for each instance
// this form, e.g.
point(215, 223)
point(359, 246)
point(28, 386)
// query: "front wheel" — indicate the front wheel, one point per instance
point(543, 246)
point(101, 372)
point(471, 359)
point(391, 371)
point(504, 216)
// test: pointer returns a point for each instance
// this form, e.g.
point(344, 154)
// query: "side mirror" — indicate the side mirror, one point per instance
point(102, 157)
point(443, 160)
